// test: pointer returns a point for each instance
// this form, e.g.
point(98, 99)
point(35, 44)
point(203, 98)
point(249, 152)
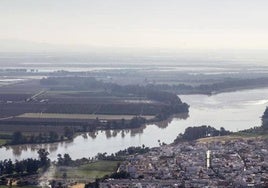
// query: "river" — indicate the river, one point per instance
point(233, 111)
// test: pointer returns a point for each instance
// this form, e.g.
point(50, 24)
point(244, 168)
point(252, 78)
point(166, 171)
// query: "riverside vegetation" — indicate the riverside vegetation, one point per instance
point(102, 167)
point(55, 108)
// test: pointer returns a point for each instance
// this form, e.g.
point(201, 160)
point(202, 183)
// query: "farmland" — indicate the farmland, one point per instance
point(90, 171)
point(81, 104)
point(80, 116)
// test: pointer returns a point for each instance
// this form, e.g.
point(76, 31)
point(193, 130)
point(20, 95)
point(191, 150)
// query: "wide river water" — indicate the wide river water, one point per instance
point(233, 111)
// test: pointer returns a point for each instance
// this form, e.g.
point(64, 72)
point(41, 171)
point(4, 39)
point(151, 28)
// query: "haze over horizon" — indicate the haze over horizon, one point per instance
point(172, 25)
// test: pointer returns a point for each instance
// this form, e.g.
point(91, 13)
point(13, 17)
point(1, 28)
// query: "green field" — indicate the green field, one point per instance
point(3, 141)
point(79, 116)
point(89, 171)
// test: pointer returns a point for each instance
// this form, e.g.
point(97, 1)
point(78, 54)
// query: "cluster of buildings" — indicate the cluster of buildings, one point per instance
point(214, 163)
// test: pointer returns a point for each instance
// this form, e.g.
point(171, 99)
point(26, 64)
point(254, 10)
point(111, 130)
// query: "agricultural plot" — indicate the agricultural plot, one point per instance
point(81, 104)
point(80, 116)
point(91, 171)
point(2, 141)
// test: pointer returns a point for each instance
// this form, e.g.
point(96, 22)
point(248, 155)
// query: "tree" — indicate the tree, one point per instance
point(8, 166)
point(120, 175)
point(19, 167)
point(265, 119)
point(53, 136)
point(68, 132)
point(193, 133)
point(136, 122)
point(67, 160)
point(60, 159)
point(53, 184)
point(17, 138)
point(43, 156)
point(32, 165)
point(64, 175)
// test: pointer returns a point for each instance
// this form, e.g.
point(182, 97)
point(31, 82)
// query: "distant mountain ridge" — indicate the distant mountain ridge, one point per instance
point(15, 45)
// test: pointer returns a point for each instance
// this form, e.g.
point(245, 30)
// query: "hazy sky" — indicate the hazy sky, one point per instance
point(171, 24)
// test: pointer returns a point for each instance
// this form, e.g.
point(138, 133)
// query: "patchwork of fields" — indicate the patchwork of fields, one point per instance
point(81, 104)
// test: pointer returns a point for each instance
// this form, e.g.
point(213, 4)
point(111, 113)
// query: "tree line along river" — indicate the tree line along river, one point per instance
point(233, 110)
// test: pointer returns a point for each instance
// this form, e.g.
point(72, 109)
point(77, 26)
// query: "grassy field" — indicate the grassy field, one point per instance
point(2, 141)
point(89, 171)
point(235, 136)
point(262, 134)
point(79, 116)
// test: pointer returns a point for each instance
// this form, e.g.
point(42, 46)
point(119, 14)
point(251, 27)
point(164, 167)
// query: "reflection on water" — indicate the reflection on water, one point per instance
point(165, 123)
point(114, 134)
point(53, 148)
point(17, 151)
point(233, 111)
point(108, 134)
point(123, 134)
point(138, 131)
point(84, 135)
point(92, 135)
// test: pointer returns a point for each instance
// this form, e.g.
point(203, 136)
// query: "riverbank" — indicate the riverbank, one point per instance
point(234, 111)
point(189, 157)
point(55, 108)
